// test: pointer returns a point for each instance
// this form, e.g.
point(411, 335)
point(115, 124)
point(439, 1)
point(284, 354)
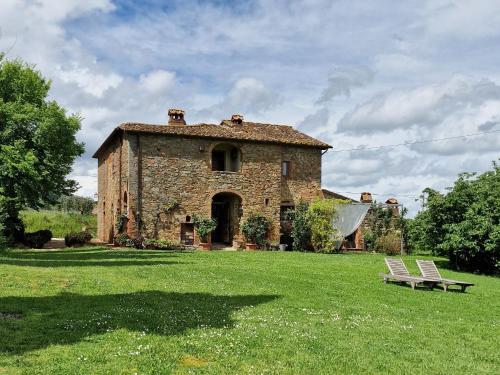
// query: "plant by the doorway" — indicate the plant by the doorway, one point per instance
point(204, 226)
point(121, 223)
point(255, 229)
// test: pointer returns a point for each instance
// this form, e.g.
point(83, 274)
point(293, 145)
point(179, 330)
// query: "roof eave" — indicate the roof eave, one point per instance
point(323, 146)
point(106, 142)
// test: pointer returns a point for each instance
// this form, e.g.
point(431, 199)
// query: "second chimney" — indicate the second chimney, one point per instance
point(366, 197)
point(237, 119)
point(176, 117)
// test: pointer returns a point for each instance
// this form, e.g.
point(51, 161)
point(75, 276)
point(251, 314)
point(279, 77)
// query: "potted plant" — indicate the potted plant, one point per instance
point(255, 229)
point(204, 227)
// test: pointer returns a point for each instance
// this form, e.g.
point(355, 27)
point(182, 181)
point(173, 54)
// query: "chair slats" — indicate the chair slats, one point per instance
point(397, 267)
point(429, 269)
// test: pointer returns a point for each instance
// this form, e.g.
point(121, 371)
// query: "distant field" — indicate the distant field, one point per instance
point(117, 311)
point(60, 223)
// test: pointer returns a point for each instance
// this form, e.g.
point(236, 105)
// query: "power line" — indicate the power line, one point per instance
point(416, 142)
point(385, 194)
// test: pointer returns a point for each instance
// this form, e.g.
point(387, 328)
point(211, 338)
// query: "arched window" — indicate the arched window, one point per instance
point(226, 157)
point(125, 203)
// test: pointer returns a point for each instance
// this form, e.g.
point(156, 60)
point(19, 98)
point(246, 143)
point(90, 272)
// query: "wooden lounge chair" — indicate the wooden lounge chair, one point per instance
point(429, 270)
point(399, 272)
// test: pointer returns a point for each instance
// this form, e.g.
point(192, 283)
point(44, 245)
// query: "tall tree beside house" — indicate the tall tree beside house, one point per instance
point(463, 224)
point(37, 144)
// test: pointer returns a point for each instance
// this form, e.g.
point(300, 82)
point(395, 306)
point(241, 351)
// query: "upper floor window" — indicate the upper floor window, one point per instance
point(226, 157)
point(285, 168)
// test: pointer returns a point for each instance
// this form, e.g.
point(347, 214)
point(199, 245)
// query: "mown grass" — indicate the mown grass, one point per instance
point(122, 311)
point(60, 223)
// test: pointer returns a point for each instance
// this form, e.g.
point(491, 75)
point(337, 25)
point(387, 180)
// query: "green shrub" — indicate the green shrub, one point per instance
point(37, 239)
point(162, 245)
point(121, 223)
point(77, 238)
point(121, 239)
point(301, 227)
point(158, 244)
point(255, 228)
point(3, 242)
point(389, 243)
point(324, 237)
point(204, 226)
point(3, 239)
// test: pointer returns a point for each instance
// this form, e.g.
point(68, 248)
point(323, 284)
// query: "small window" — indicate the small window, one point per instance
point(218, 160)
point(285, 168)
point(226, 157)
point(266, 202)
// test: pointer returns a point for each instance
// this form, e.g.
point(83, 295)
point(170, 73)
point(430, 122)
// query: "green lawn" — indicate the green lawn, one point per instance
point(95, 311)
point(60, 223)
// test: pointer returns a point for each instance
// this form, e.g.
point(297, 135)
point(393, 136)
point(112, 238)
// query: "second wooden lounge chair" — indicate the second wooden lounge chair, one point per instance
point(429, 270)
point(399, 272)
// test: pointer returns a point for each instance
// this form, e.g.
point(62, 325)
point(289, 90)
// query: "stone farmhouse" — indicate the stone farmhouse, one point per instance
point(159, 176)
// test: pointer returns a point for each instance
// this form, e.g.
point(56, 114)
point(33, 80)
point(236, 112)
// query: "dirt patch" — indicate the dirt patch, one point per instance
point(190, 361)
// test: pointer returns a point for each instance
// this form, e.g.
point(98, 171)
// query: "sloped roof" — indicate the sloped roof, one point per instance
point(246, 131)
point(331, 194)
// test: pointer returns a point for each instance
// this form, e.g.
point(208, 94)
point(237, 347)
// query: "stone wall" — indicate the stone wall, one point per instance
point(109, 190)
point(158, 171)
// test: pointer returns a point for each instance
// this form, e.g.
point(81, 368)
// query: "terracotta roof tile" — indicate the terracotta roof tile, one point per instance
point(246, 131)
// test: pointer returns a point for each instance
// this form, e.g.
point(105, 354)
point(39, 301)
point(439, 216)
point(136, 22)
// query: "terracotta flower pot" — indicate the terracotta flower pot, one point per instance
point(250, 246)
point(205, 246)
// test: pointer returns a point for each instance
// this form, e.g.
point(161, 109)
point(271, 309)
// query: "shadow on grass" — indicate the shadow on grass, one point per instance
point(68, 318)
point(443, 264)
point(88, 257)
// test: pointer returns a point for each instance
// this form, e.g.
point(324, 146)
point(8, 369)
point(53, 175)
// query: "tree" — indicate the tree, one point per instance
point(37, 144)
point(385, 228)
point(324, 237)
point(301, 228)
point(75, 203)
point(463, 224)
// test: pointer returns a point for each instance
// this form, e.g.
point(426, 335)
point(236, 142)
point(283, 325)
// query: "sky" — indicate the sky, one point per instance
point(351, 73)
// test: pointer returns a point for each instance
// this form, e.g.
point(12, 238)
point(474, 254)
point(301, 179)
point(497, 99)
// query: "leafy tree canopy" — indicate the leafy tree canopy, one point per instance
point(463, 224)
point(37, 144)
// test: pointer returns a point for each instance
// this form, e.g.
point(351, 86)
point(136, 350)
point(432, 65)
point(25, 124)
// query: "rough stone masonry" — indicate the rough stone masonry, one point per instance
point(160, 176)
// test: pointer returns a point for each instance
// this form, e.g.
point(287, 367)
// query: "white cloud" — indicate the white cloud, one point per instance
point(343, 80)
point(271, 61)
point(157, 81)
point(318, 119)
point(247, 96)
point(465, 19)
point(92, 83)
point(424, 106)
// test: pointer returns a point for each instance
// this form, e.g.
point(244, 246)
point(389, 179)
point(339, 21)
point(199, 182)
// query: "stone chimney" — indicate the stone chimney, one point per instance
point(236, 119)
point(395, 209)
point(366, 197)
point(176, 117)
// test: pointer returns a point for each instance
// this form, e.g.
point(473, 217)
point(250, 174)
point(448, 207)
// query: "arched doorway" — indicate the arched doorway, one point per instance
point(226, 210)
